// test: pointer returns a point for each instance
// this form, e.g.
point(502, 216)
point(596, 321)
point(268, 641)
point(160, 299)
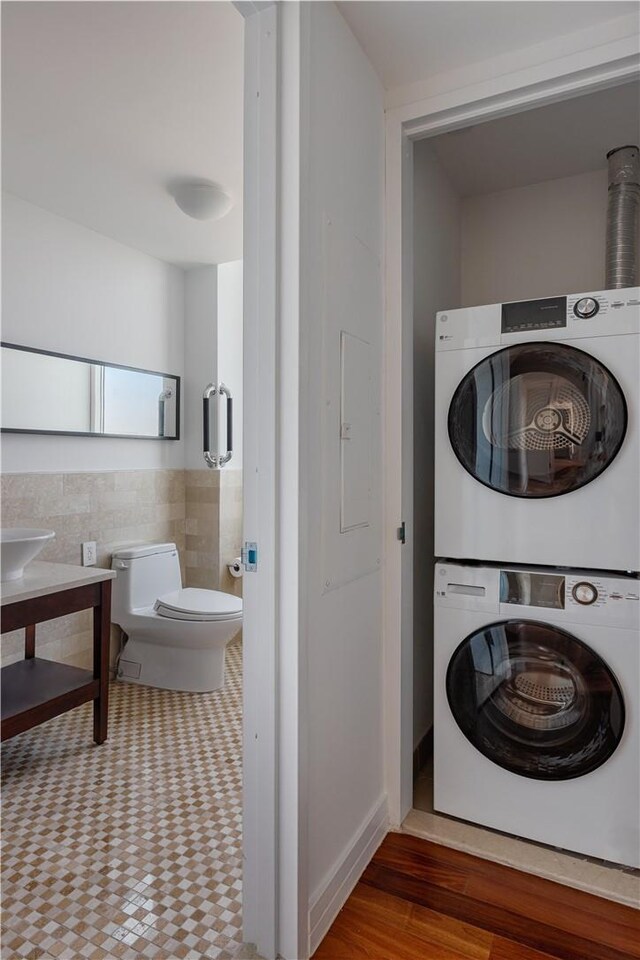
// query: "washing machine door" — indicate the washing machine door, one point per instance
point(535, 700)
point(537, 420)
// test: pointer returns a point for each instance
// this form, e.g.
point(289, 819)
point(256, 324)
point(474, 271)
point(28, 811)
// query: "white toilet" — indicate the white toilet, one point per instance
point(176, 636)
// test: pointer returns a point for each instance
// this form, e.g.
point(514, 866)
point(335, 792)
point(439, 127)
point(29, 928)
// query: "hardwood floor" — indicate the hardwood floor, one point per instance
point(421, 901)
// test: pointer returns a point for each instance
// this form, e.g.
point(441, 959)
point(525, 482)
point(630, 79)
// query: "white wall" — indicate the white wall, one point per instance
point(436, 257)
point(535, 241)
point(70, 290)
point(213, 354)
point(341, 289)
point(230, 350)
point(201, 317)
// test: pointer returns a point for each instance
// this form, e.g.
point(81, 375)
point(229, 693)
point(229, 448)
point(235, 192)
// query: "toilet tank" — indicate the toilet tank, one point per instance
point(144, 573)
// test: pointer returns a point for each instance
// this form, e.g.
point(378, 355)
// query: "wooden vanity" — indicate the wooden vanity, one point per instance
point(33, 689)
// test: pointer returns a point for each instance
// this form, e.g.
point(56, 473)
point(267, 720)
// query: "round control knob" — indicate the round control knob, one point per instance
point(587, 307)
point(585, 593)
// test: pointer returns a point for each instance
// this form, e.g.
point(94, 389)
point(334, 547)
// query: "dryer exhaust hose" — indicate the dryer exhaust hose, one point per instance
point(622, 217)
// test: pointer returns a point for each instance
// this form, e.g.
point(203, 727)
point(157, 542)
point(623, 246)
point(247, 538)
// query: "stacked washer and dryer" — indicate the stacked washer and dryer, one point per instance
point(537, 600)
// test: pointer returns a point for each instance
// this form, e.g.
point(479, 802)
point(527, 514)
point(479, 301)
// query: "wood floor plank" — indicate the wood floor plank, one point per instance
point(377, 928)
point(421, 862)
point(489, 917)
point(421, 901)
point(395, 844)
point(510, 950)
point(552, 912)
point(472, 942)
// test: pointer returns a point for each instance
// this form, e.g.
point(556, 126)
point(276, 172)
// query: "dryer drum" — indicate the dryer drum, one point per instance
point(534, 411)
point(537, 420)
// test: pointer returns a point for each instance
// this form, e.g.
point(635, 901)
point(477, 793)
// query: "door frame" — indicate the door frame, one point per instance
point(275, 896)
point(260, 667)
point(597, 68)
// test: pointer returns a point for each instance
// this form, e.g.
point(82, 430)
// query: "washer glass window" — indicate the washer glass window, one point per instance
point(535, 700)
point(537, 420)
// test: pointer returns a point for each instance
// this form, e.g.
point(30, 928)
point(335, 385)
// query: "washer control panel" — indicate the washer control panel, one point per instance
point(578, 596)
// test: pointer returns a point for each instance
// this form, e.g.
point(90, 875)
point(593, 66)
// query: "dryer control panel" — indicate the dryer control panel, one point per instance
point(592, 313)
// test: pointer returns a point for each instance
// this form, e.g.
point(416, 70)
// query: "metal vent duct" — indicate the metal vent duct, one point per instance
point(622, 217)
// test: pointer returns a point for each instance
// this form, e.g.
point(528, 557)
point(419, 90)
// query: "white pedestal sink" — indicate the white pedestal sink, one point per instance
point(18, 547)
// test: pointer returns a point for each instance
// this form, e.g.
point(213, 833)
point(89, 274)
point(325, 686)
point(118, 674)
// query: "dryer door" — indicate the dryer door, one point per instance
point(535, 700)
point(537, 420)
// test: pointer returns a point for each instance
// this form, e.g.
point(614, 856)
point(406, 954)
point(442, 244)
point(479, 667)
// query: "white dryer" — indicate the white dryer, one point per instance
point(537, 446)
point(537, 729)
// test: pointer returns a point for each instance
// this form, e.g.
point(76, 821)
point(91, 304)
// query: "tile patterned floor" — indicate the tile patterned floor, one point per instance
point(132, 849)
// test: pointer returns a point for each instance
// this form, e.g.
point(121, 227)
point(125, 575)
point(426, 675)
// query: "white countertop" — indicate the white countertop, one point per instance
point(41, 578)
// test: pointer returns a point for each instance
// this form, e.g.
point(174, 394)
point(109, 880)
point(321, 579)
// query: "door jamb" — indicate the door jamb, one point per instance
point(260, 672)
point(615, 65)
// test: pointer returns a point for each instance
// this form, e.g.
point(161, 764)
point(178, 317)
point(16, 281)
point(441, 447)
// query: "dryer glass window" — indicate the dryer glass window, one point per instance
point(537, 420)
point(535, 700)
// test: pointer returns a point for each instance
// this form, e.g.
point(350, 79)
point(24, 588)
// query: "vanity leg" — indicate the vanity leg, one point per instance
point(30, 641)
point(101, 635)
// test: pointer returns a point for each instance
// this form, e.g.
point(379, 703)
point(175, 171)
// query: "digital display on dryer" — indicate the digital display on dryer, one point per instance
point(534, 315)
point(532, 589)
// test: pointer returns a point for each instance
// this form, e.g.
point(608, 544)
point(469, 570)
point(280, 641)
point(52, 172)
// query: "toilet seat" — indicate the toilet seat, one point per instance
point(193, 603)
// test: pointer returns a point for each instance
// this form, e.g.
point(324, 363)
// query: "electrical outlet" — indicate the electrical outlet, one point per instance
point(89, 553)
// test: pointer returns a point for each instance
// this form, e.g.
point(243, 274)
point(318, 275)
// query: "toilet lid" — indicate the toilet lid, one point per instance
point(192, 603)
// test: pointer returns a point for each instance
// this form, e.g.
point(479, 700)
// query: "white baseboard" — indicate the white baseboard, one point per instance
point(327, 902)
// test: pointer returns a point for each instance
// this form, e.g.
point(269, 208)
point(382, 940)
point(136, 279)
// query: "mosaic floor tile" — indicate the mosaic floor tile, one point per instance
point(133, 849)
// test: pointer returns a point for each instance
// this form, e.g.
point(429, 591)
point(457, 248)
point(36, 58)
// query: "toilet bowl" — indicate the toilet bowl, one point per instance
point(176, 636)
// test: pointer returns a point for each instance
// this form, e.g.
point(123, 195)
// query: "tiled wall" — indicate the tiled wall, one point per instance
point(199, 510)
point(213, 528)
point(202, 509)
point(230, 524)
point(112, 508)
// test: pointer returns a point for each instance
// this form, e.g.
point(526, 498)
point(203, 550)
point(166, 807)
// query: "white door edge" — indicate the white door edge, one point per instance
point(260, 682)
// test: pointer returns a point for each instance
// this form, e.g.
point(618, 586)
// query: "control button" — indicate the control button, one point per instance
point(585, 593)
point(587, 307)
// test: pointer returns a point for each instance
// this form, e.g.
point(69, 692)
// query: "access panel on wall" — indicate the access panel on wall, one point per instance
point(350, 458)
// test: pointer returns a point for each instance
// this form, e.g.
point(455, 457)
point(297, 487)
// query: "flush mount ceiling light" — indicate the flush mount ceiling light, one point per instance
point(201, 199)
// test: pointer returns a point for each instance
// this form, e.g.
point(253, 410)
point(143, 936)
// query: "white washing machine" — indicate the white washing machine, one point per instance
point(536, 704)
point(537, 443)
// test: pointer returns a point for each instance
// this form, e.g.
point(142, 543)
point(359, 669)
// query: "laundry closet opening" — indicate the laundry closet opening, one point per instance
point(509, 210)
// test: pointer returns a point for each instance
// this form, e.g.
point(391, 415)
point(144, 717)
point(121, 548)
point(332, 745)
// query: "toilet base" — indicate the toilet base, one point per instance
point(191, 670)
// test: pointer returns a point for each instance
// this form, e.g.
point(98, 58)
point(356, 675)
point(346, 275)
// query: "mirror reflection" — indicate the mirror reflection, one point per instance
point(52, 393)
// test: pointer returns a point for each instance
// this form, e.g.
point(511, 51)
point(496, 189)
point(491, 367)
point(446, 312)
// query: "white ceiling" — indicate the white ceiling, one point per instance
point(547, 143)
point(105, 103)
point(408, 41)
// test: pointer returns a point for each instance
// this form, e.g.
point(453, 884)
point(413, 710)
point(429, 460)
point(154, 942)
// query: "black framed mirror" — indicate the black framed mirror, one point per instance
point(54, 393)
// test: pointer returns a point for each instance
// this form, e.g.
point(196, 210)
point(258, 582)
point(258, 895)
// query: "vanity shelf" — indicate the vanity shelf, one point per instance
point(35, 690)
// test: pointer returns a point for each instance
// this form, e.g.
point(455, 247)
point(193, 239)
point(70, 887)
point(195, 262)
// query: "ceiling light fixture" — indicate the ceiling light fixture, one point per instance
point(201, 199)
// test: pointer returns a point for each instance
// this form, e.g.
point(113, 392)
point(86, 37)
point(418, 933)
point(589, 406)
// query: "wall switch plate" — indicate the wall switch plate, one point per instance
point(89, 553)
